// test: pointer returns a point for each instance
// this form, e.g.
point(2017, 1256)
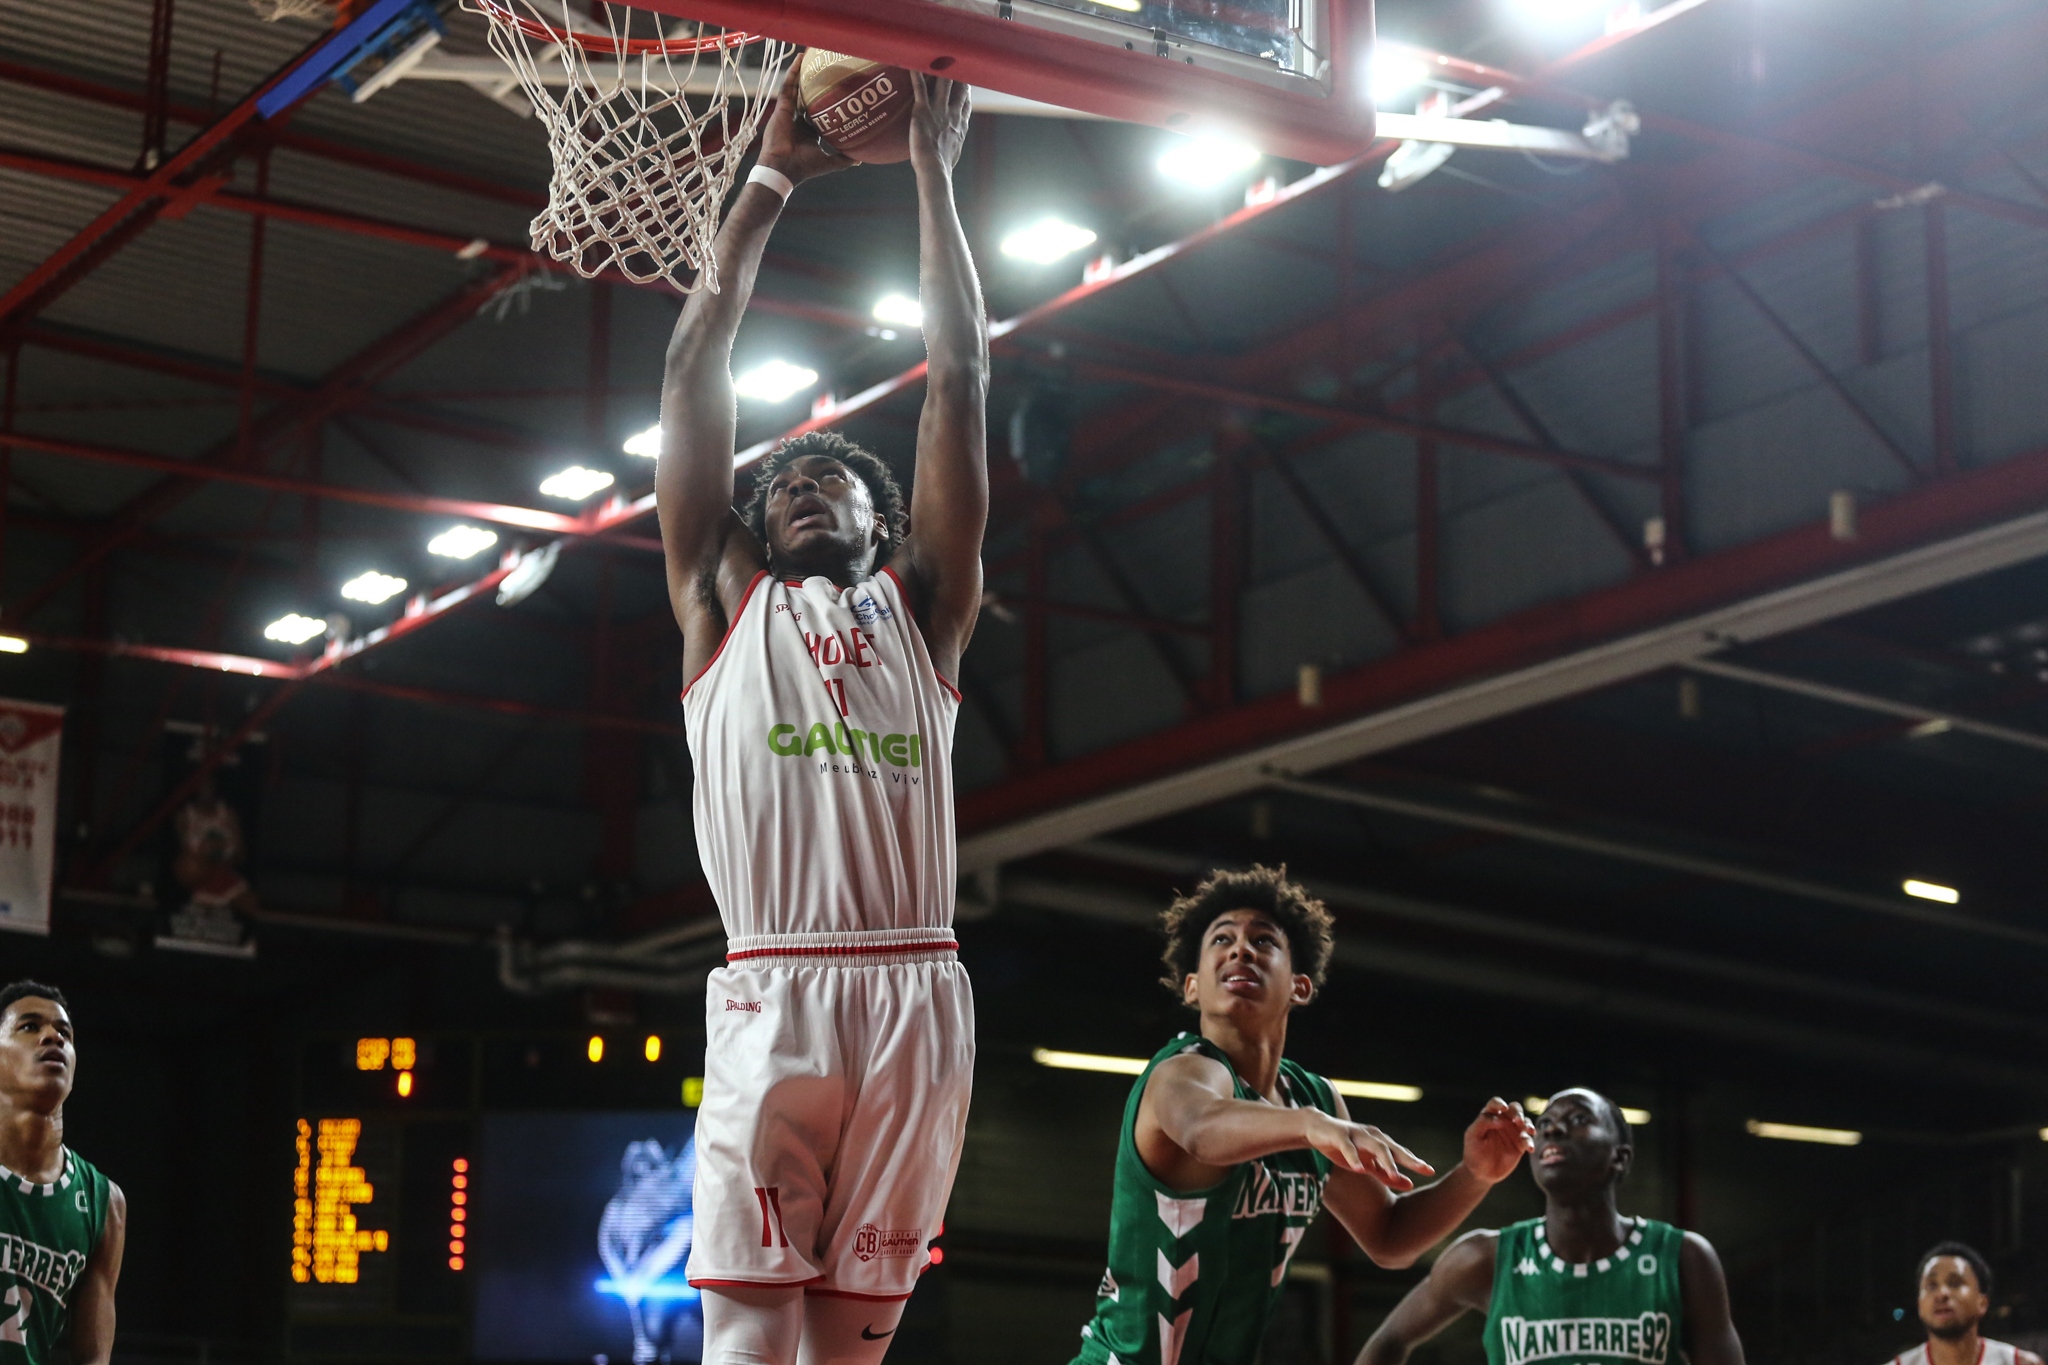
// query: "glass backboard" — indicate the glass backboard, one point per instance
point(1288, 75)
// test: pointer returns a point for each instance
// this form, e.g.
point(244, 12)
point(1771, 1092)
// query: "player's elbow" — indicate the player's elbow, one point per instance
point(1388, 1259)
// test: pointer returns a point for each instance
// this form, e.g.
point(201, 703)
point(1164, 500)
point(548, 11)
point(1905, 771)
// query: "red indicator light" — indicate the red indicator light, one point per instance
point(455, 1263)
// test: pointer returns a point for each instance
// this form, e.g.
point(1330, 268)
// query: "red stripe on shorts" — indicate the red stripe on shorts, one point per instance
point(849, 1294)
point(848, 950)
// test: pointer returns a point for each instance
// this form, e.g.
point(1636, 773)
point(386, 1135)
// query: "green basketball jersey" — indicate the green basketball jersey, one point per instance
point(1621, 1307)
point(1193, 1277)
point(47, 1233)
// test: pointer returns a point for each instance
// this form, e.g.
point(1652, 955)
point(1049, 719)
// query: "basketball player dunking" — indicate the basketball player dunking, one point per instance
point(1581, 1283)
point(840, 1044)
point(1229, 1149)
point(62, 1224)
point(1954, 1290)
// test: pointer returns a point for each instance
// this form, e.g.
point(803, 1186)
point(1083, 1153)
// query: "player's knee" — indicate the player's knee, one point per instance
point(752, 1326)
point(848, 1331)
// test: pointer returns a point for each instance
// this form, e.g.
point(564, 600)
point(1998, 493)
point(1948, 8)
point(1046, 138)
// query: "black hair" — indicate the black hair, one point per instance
point(1964, 1252)
point(21, 990)
point(882, 487)
point(1303, 918)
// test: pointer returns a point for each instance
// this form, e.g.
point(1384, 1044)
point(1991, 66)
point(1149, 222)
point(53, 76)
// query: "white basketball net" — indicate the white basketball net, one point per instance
point(646, 131)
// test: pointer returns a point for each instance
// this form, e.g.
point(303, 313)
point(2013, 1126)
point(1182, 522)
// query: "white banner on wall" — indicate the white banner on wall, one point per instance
point(30, 734)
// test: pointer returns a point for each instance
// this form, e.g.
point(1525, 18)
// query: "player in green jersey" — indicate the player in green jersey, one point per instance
point(1229, 1149)
point(1581, 1285)
point(62, 1223)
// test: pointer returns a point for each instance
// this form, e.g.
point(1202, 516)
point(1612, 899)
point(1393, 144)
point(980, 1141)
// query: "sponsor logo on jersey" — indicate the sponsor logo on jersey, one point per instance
point(870, 1241)
point(867, 610)
point(1526, 1267)
point(1645, 1339)
point(1291, 1194)
point(746, 1006)
point(793, 741)
point(53, 1272)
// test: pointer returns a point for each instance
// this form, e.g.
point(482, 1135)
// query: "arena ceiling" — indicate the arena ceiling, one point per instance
point(1661, 540)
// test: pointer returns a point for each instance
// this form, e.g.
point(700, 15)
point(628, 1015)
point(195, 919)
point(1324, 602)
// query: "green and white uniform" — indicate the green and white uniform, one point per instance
point(1621, 1307)
point(47, 1234)
point(1194, 1277)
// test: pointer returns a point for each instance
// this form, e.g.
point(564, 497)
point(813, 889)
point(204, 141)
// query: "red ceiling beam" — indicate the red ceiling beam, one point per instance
point(1928, 513)
point(347, 384)
point(440, 177)
point(593, 524)
point(242, 665)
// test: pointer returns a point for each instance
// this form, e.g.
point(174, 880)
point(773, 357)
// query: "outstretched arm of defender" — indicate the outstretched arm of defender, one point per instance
point(1190, 1119)
point(1461, 1281)
point(1710, 1332)
point(92, 1309)
point(710, 554)
point(1395, 1229)
point(949, 500)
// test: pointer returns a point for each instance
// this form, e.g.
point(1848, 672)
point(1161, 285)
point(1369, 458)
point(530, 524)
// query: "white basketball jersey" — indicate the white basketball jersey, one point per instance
point(823, 740)
point(1989, 1352)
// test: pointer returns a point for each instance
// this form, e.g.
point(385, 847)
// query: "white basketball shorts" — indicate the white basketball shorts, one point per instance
point(835, 1101)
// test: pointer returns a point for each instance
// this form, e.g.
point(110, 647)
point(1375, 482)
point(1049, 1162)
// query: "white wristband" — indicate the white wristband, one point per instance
point(774, 180)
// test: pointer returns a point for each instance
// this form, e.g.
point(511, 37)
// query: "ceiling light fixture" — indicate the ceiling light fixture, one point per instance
point(1799, 1132)
point(1930, 891)
point(372, 587)
point(1635, 1118)
point(646, 444)
point(774, 382)
point(1395, 71)
point(1089, 1061)
point(575, 483)
point(1376, 1090)
point(294, 629)
point(1205, 160)
point(462, 542)
point(1046, 241)
point(899, 310)
point(13, 644)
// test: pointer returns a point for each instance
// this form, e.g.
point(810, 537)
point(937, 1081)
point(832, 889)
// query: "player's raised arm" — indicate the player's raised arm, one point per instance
point(1190, 1119)
point(1461, 1281)
point(711, 555)
point(1395, 1229)
point(949, 503)
point(92, 1311)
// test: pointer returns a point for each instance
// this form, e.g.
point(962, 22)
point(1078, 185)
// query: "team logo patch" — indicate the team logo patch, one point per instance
point(870, 1241)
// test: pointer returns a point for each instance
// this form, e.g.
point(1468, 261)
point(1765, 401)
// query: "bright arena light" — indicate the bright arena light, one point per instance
point(294, 629)
point(1536, 1104)
point(1799, 1132)
point(1561, 12)
point(1395, 71)
point(899, 310)
point(462, 542)
point(774, 382)
point(372, 587)
point(13, 644)
point(1089, 1061)
point(1931, 891)
point(1376, 1090)
point(1202, 161)
point(575, 483)
point(1046, 241)
point(646, 444)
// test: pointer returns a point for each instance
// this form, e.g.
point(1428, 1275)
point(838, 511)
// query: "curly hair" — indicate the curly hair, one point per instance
point(882, 487)
point(21, 990)
point(1303, 918)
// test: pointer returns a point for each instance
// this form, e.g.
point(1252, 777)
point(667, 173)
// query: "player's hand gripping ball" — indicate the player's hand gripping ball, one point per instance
point(861, 109)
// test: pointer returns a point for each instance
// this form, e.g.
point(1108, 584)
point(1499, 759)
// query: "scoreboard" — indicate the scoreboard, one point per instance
point(391, 1187)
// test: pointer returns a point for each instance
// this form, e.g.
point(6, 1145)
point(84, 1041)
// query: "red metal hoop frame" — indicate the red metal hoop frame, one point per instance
point(504, 13)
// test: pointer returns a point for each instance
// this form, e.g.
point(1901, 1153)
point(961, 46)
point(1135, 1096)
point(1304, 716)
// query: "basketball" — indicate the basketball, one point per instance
point(861, 109)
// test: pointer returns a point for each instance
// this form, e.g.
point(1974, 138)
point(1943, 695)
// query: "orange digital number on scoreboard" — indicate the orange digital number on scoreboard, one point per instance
point(327, 1241)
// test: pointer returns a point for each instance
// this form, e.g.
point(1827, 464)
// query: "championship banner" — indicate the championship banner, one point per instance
point(30, 734)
